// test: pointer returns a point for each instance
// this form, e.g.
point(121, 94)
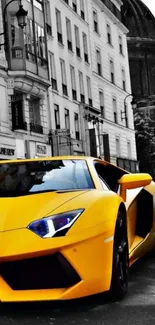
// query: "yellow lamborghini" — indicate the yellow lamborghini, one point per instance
point(71, 227)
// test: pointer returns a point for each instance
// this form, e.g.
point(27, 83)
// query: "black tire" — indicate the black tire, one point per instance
point(120, 271)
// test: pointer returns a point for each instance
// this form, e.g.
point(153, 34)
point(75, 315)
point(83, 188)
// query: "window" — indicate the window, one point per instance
point(109, 34)
point(63, 77)
point(89, 92)
point(59, 26)
point(74, 4)
point(33, 177)
point(114, 105)
point(18, 121)
point(112, 76)
point(40, 43)
point(57, 116)
point(126, 115)
point(82, 9)
point(35, 119)
point(95, 20)
point(118, 151)
point(77, 41)
point(123, 80)
point(101, 98)
point(38, 4)
point(69, 34)
point(34, 50)
point(81, 86)
point(98, 60)
point(85, 47)
point(129, 149)
point(67, 119)
point(29, 40)
point(48, 17)
point(76, 121)
point(120, 45)
point(73, 82)
point(53, 72)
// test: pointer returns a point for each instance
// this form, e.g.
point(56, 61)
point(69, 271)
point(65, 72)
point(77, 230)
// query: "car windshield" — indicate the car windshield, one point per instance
point(25, 178)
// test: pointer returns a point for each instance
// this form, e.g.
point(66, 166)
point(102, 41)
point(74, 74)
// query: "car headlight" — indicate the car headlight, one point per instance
point(56, 225)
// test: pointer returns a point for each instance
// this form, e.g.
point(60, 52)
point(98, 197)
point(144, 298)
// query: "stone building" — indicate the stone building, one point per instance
point(90, 80)
point(66, 84)
point(24, 104)
point(141, 48)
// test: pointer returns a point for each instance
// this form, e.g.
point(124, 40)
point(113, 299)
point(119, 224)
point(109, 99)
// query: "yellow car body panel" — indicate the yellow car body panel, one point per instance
point(87, 246)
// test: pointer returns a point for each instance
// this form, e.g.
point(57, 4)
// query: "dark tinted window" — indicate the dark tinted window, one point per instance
point(110, 175)
point(25, 178)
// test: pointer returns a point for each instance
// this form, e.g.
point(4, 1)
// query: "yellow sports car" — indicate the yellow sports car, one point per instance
point(71, 227)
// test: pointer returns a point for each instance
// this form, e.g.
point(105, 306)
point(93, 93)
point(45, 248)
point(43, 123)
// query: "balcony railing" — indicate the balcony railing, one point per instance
point(19, 125)
point(36, 128)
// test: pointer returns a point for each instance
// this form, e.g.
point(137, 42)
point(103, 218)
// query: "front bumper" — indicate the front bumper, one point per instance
point(35, 269)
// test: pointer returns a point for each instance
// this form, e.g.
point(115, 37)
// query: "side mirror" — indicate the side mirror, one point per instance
point(131, 181)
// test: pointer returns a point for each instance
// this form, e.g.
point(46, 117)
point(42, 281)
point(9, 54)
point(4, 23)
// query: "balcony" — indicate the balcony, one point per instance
point(19, 125)
point(128, 164)
point(36, 128)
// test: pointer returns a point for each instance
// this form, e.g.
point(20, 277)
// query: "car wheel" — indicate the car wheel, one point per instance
point(119, 282)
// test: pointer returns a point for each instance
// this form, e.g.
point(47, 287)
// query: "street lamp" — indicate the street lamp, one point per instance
point(124, 113)
point(21, 17)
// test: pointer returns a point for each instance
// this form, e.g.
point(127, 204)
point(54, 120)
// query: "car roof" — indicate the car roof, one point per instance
point(47, 158)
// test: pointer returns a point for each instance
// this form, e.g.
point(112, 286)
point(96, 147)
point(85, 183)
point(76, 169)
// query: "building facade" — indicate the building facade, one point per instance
point(24, 116)
point(141, 48)
point(90, 80)
point(70, 68)
point(68, 88)
point(111, 83)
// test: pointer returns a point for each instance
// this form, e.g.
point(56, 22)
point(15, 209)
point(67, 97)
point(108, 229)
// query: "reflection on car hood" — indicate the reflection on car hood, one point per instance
point(18, 212)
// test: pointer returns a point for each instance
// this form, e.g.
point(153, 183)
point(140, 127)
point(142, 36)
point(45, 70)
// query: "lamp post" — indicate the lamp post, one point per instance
point(124, 113)
point(21, 17)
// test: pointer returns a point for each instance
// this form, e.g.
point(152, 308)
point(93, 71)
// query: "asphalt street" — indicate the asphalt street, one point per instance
point(137, 308)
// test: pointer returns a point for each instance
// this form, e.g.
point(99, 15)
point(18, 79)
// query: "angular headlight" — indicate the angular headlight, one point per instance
point(56, 225)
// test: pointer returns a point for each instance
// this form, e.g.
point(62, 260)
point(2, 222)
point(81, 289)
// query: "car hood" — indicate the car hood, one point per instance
point(19, 212)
